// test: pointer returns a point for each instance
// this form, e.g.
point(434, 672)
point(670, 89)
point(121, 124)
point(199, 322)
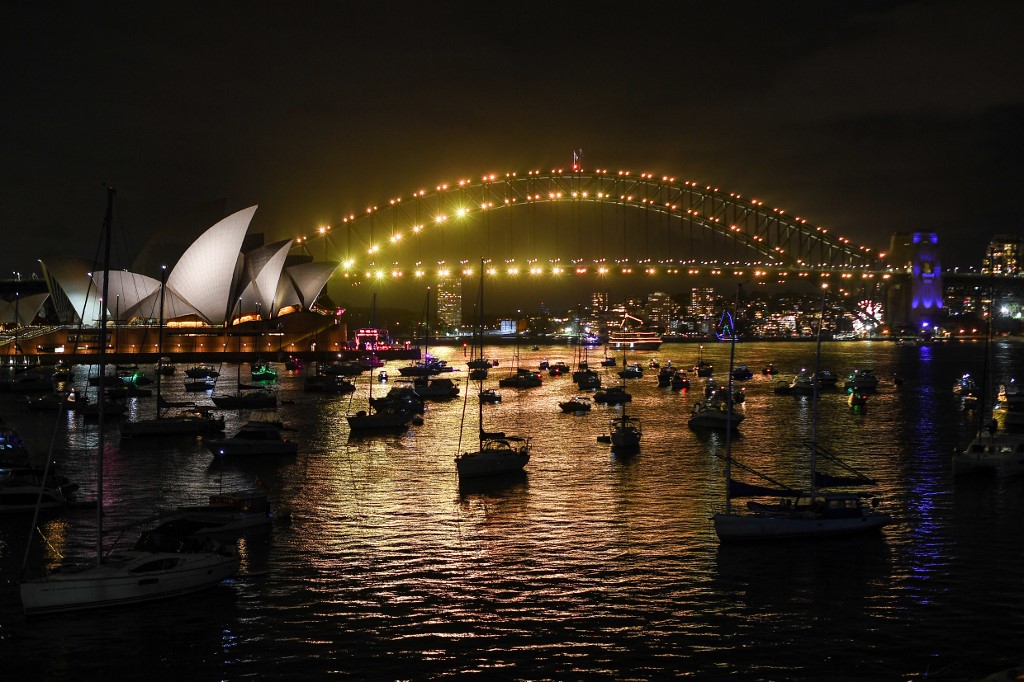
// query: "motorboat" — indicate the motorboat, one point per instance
point(967, 389)
point(575, 405)
point(680, 381)
point(228, 516)
point(715, 414)
point(742, 373)
point(24, 488)
point(632, 371)
point(202, 371)
point(440, 388)
point(328, 383)
point(200, 385)
point(255, 438)
point(522, 378)
point(557, 369)
point(489, 395)
point(613, 395)
point(260, 370)
point(861, 381)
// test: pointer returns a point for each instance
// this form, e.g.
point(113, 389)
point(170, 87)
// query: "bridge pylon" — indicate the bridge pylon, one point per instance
point(914, 297)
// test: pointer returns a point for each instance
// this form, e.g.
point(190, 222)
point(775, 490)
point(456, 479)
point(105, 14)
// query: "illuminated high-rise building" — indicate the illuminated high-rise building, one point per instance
point(1004, 256)
point(599, 302)
point(702, 303)
point(449, 302)
point(659, 309)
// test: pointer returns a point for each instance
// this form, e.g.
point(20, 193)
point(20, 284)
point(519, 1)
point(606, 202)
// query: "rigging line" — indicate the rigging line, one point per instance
point(46, 472)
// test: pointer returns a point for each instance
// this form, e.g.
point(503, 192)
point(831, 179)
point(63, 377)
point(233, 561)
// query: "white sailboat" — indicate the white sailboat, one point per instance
point(142, 574)
point(812, 515)
point(498, 453)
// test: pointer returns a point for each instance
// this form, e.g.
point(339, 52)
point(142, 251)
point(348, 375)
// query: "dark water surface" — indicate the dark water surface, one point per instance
point(591, 566)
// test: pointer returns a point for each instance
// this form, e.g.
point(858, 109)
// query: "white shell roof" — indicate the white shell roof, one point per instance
point(204, 275)
point(301, 284)
point(72, 276)
point(261, 273)
point(126, 291)
point(24, 309)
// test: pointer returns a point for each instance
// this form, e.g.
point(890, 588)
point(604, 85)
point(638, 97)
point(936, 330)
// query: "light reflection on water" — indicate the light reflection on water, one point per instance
point(592, 564)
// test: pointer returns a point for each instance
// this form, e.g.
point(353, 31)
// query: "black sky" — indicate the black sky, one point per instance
point(866, 117)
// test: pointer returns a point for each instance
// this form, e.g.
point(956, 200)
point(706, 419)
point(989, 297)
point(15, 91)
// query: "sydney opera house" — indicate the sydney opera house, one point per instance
point(216, 289)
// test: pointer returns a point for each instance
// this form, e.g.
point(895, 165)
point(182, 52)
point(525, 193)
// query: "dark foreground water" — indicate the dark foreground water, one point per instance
point(592, 566)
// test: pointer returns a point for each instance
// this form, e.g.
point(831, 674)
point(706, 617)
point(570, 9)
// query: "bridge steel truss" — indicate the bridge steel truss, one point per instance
point(772, 238)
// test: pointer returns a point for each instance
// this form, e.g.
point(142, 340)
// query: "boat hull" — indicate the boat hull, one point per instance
point(132, 578)
point(490, 463)
point(795, 526)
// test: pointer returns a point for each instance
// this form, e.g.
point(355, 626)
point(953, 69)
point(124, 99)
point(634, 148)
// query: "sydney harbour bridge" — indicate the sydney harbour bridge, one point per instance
point(574, 223)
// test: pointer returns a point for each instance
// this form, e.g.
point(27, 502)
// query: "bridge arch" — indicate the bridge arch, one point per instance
point(701, 224)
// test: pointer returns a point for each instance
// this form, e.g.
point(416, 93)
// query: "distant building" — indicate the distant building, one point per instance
point(449, 302)
point(702, 303)
point(1004, 256)
point(659, 310)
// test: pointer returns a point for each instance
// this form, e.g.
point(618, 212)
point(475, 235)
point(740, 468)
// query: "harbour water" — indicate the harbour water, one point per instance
point(591, 566)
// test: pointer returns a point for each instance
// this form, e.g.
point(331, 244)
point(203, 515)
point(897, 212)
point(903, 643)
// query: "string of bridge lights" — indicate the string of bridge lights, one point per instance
point(534, 267)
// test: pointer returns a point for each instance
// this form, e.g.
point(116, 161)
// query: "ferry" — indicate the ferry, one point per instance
point(634, 340)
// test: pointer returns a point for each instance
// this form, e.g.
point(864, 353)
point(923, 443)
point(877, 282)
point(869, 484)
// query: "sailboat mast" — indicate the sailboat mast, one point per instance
point(814, 395)
point(160, 338)
point(480, 387)
point(426, 328)
point(728, 403)
point(100, 390)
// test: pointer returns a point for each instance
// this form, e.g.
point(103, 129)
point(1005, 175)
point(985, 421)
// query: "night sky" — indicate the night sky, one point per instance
point(868, 118)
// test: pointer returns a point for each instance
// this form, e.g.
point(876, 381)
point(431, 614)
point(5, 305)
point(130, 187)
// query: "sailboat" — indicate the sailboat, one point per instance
point(190, 421)
point(146, 573)
point(812, 515)
point(583, 375)
point(246, 397)
point(392, 415)
point(498, 453)
point(520, 377)
point(428, 366)
point(625, 432)
point(719, 409)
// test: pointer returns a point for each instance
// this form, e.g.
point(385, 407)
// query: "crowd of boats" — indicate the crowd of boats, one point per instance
point(182, 553)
